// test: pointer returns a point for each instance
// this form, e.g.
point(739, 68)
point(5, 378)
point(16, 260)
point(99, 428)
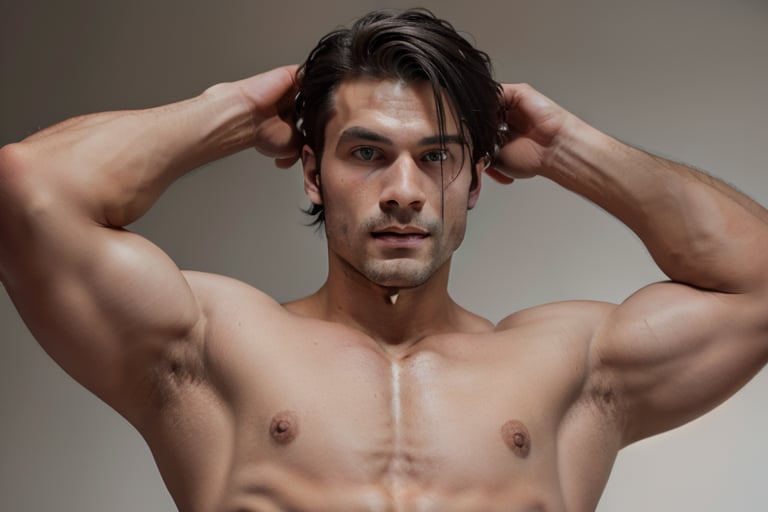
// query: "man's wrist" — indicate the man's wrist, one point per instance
point(233, 125)
point(576, 150)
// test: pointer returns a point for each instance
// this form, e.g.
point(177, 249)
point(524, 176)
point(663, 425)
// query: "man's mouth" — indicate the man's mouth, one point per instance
point(400, 235)
point(400, 231)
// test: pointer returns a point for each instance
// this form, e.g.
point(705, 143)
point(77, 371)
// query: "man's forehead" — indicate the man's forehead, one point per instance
point(390, 103)
point(373, 94)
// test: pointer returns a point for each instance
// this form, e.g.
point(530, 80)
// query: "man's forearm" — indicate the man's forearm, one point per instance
point(699, 230)
point(747, 202)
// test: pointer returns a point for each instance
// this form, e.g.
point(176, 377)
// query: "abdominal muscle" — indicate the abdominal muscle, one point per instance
point(273, 488)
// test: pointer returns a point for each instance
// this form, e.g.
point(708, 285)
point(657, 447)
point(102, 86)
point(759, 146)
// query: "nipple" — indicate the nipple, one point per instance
point(284, 427)
point(516, 437)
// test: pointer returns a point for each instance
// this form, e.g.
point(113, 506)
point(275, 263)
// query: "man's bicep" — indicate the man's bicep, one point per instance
point(105, 303)
point(674, 352)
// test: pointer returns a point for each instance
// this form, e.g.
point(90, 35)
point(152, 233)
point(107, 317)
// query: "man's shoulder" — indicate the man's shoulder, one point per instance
point(560, 331)
point(583, 314)
point(226, 301)
point(223, 296)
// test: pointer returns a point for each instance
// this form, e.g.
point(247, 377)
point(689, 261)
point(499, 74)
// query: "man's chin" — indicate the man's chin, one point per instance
point(398, 275)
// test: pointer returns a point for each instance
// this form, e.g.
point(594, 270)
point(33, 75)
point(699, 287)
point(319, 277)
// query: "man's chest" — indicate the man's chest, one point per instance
point(479, 418)
point(470, 414)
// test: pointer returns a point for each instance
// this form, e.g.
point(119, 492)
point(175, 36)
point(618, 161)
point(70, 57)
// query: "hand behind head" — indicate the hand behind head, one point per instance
point(535, 125)
point(271, 96)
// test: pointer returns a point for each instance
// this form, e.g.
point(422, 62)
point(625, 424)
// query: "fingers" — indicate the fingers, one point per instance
point(278, 139)
point(517, 94)
point(271, 97)
point(285, 74)
point(286, 163)
point(272, 90)
point(523, 97)
point(514, 93)
point(499, 176)
point(516, 117)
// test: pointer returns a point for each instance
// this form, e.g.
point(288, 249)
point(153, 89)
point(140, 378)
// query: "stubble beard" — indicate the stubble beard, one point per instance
point(399, 273)
point(408, 272)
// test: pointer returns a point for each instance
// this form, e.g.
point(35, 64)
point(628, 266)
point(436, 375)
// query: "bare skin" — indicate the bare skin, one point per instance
point(342, 400)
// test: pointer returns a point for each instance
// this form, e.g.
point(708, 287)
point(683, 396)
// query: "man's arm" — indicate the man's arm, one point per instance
point(110, 307)
point(673, 350)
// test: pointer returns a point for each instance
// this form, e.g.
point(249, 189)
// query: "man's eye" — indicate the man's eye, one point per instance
point(366, 153)
point(436, 156)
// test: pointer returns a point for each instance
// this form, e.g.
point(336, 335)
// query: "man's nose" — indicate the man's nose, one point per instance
point(403, 186)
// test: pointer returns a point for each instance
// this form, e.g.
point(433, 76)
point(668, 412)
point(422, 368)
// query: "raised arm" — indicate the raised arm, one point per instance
point(673, 350)
point(106, 304)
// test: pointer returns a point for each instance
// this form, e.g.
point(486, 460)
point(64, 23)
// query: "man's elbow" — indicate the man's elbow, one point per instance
point(23, 199)
point(16, 176)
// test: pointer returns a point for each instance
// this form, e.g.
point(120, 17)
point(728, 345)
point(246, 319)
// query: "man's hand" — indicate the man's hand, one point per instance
point(271, 98)
point(536, 127)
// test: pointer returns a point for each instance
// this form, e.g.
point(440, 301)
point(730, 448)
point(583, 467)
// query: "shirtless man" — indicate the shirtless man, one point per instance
point(378, 392)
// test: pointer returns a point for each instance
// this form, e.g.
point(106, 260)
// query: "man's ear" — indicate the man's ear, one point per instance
point(474, 191)
point(311, 175)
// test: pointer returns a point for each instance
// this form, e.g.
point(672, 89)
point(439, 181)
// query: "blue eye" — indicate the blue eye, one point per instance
point(366, 153)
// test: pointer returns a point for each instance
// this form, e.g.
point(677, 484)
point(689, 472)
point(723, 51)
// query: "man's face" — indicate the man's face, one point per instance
point(389, 213)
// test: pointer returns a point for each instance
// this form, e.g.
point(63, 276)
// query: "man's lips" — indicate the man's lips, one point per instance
point(397, 235)
point(398, 231)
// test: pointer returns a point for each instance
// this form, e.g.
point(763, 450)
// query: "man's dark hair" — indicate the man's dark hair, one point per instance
point(408, 46)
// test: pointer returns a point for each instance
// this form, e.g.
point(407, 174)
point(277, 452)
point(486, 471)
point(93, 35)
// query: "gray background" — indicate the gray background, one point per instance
point(684, 79)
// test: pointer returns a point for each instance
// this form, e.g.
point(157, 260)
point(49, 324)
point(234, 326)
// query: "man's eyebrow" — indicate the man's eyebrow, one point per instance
point(445, 139)
point(361, 133)
point(358, 133)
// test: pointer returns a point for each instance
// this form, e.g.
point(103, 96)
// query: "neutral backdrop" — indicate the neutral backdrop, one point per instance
point(686, 79)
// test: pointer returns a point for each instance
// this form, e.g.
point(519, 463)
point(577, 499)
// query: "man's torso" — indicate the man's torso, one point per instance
point(277, 411)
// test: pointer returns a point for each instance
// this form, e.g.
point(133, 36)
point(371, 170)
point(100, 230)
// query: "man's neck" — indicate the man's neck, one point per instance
point(395, 323)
